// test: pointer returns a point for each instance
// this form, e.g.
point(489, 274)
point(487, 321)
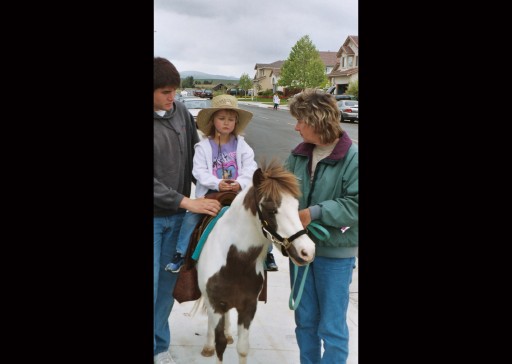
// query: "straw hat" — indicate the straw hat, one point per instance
point(222, 102)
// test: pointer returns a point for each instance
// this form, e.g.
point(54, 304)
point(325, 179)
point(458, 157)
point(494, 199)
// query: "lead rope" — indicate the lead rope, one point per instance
point(321, 234)
point(291, 304)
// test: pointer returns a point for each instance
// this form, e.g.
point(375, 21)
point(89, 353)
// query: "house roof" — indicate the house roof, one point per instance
point(346, 72)
point(354, 39)
point(218, 86)
point(345, 48)
point(276, 64)
point(329, 58)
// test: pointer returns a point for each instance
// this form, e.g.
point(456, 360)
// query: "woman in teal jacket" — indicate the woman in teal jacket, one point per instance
point(326, 165)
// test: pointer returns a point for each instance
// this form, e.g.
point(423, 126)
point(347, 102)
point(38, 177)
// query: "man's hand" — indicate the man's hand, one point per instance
point(201, 205)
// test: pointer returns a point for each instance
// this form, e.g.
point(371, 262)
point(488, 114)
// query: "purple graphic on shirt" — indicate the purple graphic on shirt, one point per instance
point(225, 166)
point(224, 160)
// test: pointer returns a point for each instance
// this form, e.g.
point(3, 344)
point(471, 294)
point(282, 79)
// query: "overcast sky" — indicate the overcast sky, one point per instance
point(228, 37)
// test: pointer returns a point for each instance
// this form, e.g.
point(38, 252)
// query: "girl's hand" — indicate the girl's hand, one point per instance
point(225, 185)
point(229, 185)
point(235, 186)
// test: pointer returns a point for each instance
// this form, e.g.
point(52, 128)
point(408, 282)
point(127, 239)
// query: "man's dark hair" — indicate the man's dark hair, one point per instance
point(165, 74)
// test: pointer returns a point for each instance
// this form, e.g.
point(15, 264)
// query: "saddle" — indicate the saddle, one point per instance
point(225, 198)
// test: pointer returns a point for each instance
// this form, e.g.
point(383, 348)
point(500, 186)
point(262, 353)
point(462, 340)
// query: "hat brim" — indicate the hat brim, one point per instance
point(204, 116)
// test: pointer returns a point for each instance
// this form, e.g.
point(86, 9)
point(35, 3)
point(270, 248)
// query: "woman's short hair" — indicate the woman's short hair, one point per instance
point(318, 110)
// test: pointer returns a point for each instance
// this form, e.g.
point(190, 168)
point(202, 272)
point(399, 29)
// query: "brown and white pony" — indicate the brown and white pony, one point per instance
point(231, 265)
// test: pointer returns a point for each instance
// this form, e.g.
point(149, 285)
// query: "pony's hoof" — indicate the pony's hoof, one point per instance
point(207, 352)
point(230, 339)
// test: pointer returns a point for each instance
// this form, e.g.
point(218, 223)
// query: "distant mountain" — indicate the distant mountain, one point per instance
point(206, 76)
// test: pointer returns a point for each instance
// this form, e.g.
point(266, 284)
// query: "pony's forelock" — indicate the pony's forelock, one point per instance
point(276, 181)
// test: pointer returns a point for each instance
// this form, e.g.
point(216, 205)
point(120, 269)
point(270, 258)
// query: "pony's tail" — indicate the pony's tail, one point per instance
point(199, 304)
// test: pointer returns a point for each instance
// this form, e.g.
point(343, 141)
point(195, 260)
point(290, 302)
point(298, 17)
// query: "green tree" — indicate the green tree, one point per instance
point(245, 82)
point(303, 68)
point(353, 88)
point(187, 82)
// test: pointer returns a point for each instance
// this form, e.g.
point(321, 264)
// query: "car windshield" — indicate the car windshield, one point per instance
point(348, 103)
point(196, 104)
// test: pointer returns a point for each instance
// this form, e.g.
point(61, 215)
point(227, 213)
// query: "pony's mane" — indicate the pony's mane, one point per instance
point(277, 180)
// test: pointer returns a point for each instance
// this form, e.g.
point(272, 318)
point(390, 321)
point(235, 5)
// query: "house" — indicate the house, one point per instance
point(346, 69)
point(219, 86)
point(267, 75)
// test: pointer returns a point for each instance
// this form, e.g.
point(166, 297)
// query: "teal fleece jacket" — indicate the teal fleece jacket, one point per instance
point(332, 196)
point(174, 136)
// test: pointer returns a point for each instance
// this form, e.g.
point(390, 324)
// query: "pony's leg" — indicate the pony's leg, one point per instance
point(220, 338)
point(209, 346)
point(215, 335)
point(227, 328)
point(245, 318)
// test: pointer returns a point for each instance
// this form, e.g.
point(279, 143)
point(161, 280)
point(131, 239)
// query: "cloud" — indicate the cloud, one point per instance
point(228, 37)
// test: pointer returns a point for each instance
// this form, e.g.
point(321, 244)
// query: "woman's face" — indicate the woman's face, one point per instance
point(225, 121)
point(307, 132)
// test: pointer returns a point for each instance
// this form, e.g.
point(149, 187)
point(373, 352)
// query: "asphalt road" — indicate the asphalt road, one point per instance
point(271, 133)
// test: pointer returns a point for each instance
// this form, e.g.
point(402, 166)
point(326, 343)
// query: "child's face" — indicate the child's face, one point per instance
point(225, 121)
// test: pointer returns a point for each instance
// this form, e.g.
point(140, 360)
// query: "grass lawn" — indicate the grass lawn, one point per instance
point(263, 100)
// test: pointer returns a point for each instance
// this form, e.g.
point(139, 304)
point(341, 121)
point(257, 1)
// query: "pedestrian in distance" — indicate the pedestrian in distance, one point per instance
point(276, 100)
point(223, 161)
point(326, 165)
point(174, 136)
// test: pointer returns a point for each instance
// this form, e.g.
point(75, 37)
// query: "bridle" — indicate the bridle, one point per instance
point(270, 233)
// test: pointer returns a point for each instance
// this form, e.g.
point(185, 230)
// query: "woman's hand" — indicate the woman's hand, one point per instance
point(305, 217)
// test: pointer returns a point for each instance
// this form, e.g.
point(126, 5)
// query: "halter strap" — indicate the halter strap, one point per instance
point(270, 233)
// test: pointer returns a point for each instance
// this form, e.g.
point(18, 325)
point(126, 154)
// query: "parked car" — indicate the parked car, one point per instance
point(178, 97)
point(208, 94)
point(344, 97)
point(349, 110)
point(194, 104)
point(331, 91)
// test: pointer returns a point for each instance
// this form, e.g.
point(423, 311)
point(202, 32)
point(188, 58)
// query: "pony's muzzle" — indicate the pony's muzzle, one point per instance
point(303, 256)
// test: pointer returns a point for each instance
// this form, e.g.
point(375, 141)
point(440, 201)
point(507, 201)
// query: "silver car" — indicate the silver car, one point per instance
point(349, 110)
point(194, 104)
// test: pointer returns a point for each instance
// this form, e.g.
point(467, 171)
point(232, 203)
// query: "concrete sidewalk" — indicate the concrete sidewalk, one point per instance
point(272, 334)
point(260, 104)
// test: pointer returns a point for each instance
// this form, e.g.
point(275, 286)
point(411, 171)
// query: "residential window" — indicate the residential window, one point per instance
point(350, 61)
point(357, 61)
point(343, 62)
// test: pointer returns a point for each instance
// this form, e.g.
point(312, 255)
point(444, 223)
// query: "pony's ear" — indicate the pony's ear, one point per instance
point(257, 177)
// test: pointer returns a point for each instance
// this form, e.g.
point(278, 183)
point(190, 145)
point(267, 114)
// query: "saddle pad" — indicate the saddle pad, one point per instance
point(206, 232)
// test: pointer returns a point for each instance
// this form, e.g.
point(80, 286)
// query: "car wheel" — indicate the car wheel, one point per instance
point(341, 119)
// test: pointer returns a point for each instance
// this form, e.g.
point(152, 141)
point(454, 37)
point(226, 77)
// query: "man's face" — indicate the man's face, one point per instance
point(163, 98)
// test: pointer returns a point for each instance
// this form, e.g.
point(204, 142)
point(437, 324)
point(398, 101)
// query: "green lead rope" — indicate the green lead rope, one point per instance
point(321, 233)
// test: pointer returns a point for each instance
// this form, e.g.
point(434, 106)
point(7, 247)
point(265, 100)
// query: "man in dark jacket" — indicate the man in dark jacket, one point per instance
point(174, 136)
